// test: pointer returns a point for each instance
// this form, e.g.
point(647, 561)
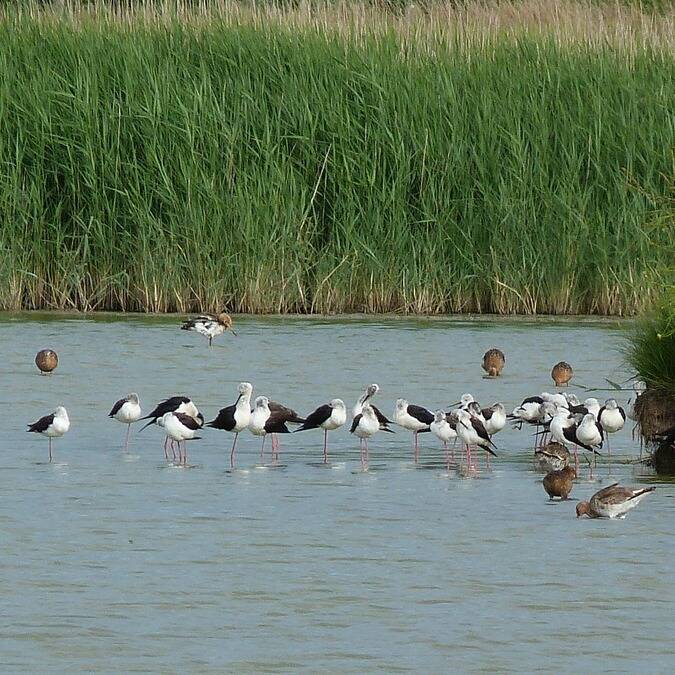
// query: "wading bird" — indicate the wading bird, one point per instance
point(493, 362)
point(328, 417)
point(127, 411)
point(365, 425)
point(52, 426)
point(366, 397)
point(209, 326)
point(269, 417)
point(611, 418)
point(235, 418)
point(414, 418)
point(614, 501)
point(181, 427)
point(562, 373)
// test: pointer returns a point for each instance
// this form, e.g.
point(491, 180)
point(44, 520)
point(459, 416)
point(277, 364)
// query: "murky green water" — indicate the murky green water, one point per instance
point(115, 562)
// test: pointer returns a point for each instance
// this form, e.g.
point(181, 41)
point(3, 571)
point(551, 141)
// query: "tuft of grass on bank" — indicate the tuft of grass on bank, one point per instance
point(335, 162)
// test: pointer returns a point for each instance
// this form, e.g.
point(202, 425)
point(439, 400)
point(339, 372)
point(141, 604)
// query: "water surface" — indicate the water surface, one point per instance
point(119, 563)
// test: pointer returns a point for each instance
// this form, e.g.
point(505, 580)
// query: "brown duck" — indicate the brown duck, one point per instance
point(562, 373)
point(493, 362)
point(559, 483)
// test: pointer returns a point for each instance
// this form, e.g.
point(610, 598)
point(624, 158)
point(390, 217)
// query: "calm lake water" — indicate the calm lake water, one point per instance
point(119, 563)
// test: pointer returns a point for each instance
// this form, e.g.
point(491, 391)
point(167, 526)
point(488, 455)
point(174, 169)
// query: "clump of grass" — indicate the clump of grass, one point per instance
point(334, 159)
point(651, 346)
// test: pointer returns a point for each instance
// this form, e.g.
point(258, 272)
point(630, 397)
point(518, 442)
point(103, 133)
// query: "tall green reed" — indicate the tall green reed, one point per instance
point(190, 165)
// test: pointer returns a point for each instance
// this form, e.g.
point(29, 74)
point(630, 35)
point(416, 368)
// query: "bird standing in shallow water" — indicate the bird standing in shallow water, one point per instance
point(366, 397)
point(493, 362)
point(328, 417)
point(614, 501)
point(414, 418)
point(559, 483)
point(444, 427)
point(209, 326)
point(611, 418)
point(127, 411)
point(269, 417)
point(562, 373)
point(365, 425)
point(235, 418)
point(52, 426)
point(181, 427)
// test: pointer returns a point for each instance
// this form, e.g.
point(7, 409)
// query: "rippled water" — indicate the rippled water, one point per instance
point(117, 562)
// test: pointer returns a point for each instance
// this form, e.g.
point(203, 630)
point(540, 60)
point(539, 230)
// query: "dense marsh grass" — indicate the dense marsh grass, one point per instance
point(336, 159)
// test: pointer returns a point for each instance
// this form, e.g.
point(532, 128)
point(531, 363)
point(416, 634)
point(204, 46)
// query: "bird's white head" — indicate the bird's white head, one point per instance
point(368, 412)
point(439, 416)
point(498, 407)
point(591, 402)
point(61, 412)
point(589, 418)
point(337, 403)
point(262, 402)
point(401, 404)
point(474, 408)
point(572, 399)
point(245, 388)
point(466, 399)
point(611, 404)
point(372, 389)
point(133, 398)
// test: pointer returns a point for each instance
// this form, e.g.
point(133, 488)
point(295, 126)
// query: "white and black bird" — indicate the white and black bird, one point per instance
point(328, 417)
point(52, 426)
point(529, 411)
point(365, 425)
point(444, 427)
point(472, 432)
point(181, 427)
point(590, 405)
point(236, 417)
point(127, 411)
point(209, 326)
point(611, 418)
point(414, 418)
point(495, 418)
point(179, 404)
point(269, 417)
point(589, 432)
point(366, 397)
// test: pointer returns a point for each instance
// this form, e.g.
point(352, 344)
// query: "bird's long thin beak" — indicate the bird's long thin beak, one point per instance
point(452, 405)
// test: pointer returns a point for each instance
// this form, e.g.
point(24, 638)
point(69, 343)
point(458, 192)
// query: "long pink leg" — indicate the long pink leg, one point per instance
point(468, 456)
point(454, 443)
point(325, 446)
point(367, 457)
point(234, 445)
point(126, 438)
point(50, 449)
point(363, 457)
point(166, 452)
point(184, 453)
point(262, 449)
point(447, 456)
point(417, 448)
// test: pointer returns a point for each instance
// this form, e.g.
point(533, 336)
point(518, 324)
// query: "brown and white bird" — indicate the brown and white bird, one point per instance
point(209, 326)
point(559, 483)
point(127, 411)
point(562, 373)
point(493, 362)
point(614, 501)
point(52, 426)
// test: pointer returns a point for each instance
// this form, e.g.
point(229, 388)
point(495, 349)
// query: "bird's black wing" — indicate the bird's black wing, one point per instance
point(225, 419)
point(317, 418)
point(355, 423)
point(480, 429)
point(382, 419)
point(167, 405)
point(487, 413)
point(532, 399)
point(42, 424)
point(281, 412)
point(421, 414)
point(187, 421)
point(116, 407)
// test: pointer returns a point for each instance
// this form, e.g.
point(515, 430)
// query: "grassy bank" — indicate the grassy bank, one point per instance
point(337, 159)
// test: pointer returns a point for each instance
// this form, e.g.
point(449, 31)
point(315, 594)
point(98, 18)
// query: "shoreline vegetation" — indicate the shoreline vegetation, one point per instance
point(497, 157)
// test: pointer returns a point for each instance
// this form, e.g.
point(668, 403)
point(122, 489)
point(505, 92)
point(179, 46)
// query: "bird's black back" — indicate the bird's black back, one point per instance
point(42, 424)
point(116, 407)
point(317, 418)
point(225, 419)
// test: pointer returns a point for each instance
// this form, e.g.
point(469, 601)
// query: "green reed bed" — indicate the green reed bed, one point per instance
point(206, 161)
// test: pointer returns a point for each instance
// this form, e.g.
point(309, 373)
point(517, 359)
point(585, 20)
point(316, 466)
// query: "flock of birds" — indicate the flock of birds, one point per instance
point(563, 424)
